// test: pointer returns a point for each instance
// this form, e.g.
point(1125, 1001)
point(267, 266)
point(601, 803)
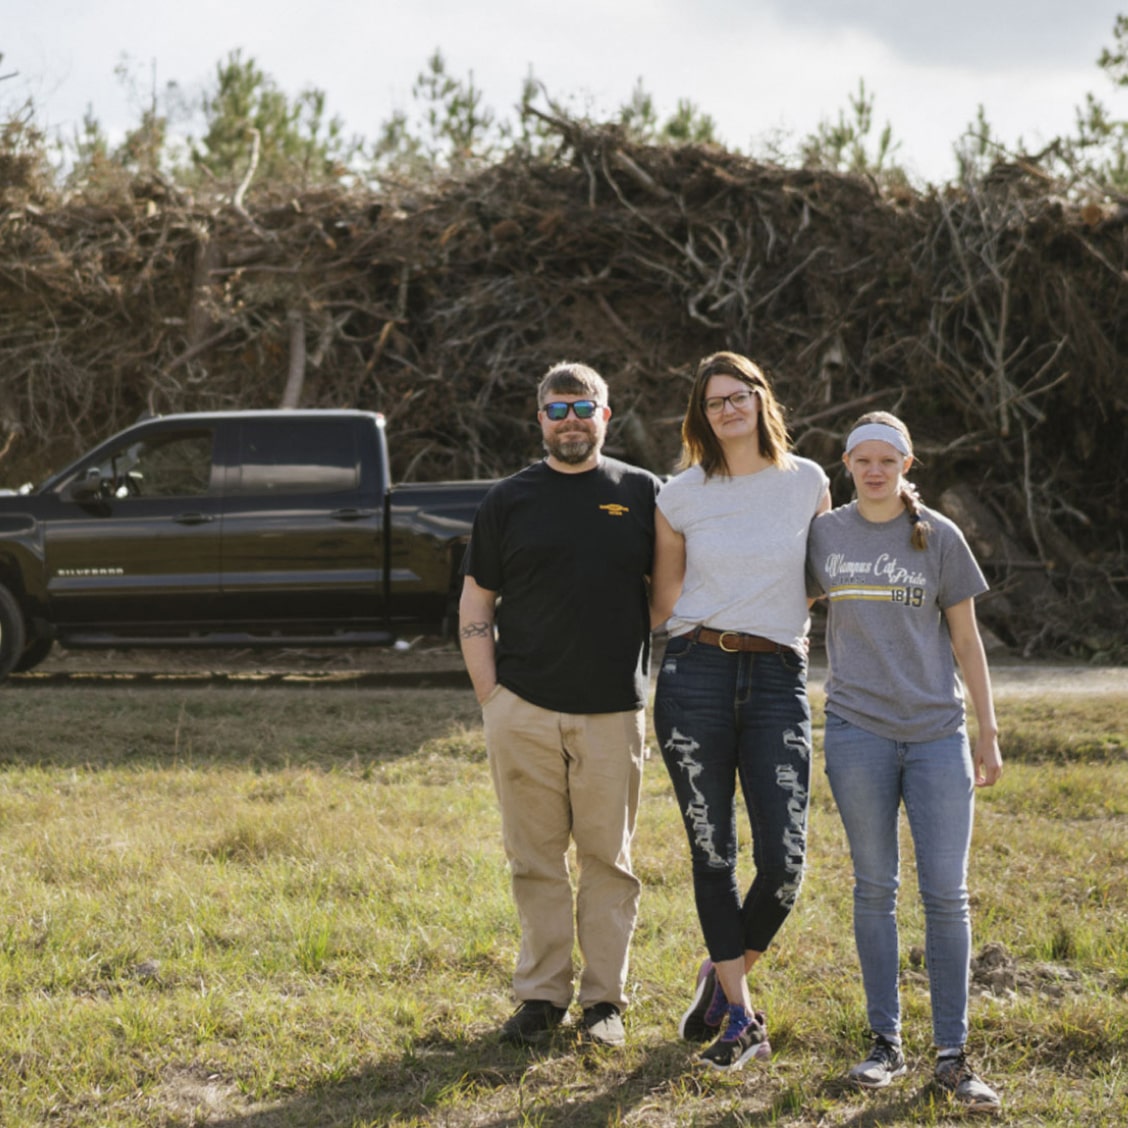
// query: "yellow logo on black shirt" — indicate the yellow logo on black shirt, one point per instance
point(615, 509)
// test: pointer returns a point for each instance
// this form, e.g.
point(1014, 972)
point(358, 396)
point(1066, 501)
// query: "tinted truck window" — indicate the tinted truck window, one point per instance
point(169, 464)
point(318, 457)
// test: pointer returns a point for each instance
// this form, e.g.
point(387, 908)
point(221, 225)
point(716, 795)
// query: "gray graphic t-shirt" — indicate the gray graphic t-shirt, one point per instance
point(892, 670)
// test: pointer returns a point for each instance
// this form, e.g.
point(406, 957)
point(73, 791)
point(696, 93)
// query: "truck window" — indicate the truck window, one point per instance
point(176, 464)
point(317, 456)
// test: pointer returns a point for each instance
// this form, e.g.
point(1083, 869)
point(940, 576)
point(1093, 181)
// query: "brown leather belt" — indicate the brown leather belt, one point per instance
point(733, 642)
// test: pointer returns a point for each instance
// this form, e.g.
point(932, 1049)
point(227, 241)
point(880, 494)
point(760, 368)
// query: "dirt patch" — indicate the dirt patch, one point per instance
point(194, 1093)
point(994, 971)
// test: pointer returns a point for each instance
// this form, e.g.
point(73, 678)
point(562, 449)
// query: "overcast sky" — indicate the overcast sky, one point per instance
point(760, 68)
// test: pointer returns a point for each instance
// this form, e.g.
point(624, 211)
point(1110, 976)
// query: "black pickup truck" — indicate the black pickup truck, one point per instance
point(257, 528)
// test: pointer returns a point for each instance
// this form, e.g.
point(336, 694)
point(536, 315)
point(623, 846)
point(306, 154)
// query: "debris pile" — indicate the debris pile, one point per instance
point(993, 318)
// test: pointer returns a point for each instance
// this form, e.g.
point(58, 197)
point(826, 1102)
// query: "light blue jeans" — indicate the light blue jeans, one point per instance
point(870, 776)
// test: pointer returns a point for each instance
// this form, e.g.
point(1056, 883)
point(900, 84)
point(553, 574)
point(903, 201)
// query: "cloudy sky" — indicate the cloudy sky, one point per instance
point(760, 68)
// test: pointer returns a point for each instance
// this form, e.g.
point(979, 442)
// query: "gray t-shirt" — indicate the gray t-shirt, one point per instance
point(892, 670)
point(745, 548)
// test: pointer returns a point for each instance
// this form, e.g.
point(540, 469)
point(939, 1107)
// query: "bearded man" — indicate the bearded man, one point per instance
point(555, 634)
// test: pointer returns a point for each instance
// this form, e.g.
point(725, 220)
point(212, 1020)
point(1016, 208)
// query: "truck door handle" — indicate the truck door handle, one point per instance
point(193, 518)
point(352, 514)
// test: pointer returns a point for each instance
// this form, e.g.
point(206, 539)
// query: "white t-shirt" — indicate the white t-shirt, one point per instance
point(745, 549)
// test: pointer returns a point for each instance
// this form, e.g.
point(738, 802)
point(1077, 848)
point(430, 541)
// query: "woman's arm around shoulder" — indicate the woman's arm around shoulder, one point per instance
point(987, 759)
point(669, 570)
point(814, 588)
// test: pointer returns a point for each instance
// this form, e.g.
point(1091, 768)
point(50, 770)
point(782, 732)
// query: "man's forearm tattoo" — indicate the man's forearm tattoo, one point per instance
point(476, 630)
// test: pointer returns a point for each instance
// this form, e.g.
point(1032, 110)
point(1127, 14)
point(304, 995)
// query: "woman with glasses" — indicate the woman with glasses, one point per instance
point(901, 583)
point(731, 700)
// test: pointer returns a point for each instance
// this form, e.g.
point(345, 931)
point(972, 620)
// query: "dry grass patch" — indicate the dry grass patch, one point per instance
point(284, 908)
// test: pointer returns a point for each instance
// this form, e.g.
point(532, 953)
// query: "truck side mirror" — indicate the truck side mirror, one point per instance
point(86, 488)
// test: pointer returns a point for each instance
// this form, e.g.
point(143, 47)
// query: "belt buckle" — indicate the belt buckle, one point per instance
point(728, 649)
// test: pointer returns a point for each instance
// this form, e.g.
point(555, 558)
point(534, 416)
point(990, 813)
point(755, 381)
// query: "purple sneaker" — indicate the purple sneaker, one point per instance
point(702, 1021)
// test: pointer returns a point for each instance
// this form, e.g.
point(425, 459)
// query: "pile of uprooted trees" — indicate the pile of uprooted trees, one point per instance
point(993, 318)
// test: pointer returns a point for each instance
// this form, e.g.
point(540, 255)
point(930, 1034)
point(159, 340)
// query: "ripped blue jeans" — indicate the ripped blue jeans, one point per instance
point(720, 717)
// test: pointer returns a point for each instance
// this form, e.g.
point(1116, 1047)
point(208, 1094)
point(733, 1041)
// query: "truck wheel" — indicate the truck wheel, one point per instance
point(12, 632)
point(34, 653)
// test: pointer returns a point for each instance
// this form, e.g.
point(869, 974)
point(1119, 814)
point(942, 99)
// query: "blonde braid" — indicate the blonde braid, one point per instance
point(910, 499)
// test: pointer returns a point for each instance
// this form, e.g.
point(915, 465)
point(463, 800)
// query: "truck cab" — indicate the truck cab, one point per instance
point(263, 528)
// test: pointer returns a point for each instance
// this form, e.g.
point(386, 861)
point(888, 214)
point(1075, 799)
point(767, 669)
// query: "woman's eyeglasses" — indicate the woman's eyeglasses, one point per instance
point(714, 405)
point(582, 409)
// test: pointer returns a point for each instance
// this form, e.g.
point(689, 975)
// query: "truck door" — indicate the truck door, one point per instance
point(302, 539)
point(142, 546)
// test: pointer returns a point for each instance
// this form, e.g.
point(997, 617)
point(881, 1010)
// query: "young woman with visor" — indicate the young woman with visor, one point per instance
point(901, 583)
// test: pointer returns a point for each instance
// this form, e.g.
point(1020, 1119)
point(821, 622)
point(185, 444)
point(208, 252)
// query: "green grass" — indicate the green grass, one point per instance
point(273, 907)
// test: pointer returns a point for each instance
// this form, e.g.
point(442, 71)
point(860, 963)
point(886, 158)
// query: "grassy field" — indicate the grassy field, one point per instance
point(280, 907)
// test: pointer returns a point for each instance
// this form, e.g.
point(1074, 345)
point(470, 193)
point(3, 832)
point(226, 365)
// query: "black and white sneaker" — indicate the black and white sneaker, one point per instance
point(955, 1077)
point(603, 1025)
point(745, 1038)
point(886, 1062)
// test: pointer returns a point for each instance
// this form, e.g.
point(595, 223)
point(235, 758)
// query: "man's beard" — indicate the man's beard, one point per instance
point(573, 447)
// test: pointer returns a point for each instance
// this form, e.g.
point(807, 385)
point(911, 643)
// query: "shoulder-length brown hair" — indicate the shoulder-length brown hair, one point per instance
point(700, 445)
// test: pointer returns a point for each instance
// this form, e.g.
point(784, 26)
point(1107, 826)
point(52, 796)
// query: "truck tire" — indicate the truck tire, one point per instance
point(34, 653)
point(12, 632)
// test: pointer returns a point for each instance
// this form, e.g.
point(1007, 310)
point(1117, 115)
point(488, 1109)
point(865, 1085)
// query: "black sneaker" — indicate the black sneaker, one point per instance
point(531, 1021)
point(745, 1037)
point(955, 1077)
point(603, 1024)
point(707, 1011)
point(886, 1061)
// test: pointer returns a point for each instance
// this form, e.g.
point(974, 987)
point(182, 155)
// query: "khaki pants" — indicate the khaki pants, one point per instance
point(560, 776)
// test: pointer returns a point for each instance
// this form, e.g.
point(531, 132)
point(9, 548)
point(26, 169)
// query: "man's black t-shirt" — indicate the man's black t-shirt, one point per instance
point(568, 554)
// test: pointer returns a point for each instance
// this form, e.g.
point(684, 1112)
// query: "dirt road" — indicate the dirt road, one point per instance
point(432, 662)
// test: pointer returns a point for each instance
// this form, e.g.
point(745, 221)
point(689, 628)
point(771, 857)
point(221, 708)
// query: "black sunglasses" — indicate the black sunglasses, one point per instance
point(583, 409)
